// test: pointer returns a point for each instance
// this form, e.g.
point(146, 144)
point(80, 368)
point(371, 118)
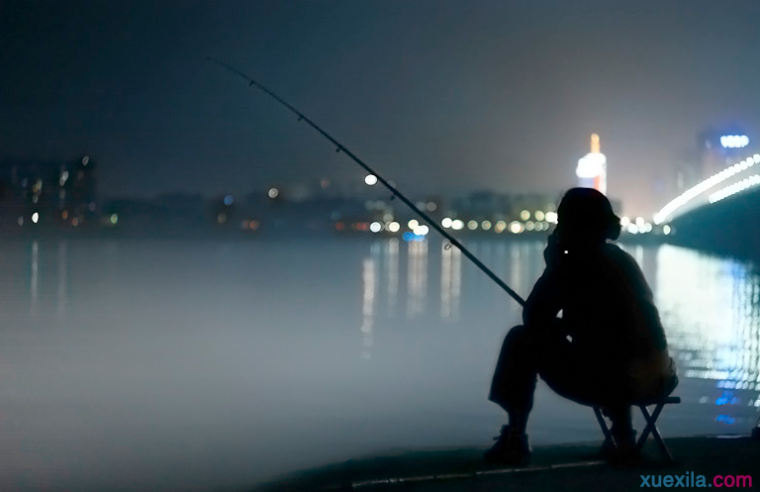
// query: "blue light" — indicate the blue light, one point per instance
point(727, 398)
point(410, 236)
point(734, 141)
point(228, 200)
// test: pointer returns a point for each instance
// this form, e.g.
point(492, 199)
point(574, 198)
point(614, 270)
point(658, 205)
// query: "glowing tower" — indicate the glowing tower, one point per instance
point(592, 168)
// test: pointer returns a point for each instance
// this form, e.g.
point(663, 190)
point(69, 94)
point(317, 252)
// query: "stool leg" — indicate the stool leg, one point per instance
point(652, 428)
point(603, 425)
point(647, 428)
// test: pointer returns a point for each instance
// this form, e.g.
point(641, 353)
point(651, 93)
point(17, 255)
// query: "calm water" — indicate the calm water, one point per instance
point(199, 365)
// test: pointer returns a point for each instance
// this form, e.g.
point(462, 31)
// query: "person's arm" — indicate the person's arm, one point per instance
point(544, 302)
point(645, 309)
point(649, 310)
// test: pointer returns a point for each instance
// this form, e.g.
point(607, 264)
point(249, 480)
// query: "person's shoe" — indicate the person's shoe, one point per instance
point(511, 448)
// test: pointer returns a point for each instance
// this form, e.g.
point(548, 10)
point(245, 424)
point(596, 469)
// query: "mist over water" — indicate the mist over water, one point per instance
point(161, 365)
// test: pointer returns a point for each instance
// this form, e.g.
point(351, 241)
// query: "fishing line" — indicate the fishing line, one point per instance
point(341, 148)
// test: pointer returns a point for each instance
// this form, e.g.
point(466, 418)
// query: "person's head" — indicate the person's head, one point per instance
point(585, 216)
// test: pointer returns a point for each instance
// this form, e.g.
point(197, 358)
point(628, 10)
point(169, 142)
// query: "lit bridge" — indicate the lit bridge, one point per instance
point(720, 213)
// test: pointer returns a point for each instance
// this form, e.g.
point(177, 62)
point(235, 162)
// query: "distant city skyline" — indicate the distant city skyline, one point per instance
point(439, 96)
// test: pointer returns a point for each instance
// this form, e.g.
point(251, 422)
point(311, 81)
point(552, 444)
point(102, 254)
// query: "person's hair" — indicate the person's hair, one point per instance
point(587, 213)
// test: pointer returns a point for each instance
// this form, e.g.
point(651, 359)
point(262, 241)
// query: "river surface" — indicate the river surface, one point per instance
point(199, 365)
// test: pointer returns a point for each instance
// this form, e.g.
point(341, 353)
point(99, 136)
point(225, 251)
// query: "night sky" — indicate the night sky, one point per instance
point(437, 95)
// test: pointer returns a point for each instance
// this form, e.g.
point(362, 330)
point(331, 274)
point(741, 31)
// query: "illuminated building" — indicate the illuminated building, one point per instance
point(719, 149)
point(77, 186)
point(54, 190)
point(716, 149)
point(592, 168)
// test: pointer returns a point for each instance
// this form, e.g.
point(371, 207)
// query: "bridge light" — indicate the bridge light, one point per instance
point(457, 225)
point(375, 227)
point(370, 180)
point(446, 223)
point(394, 226)
point(735, 188)
point(700, 188)
point(666, 229)
point(624, 221)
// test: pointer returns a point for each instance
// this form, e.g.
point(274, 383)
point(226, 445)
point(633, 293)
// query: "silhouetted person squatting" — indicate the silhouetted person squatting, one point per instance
point(609, 347)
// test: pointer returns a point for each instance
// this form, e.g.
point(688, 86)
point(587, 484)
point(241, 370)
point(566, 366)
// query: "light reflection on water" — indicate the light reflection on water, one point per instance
point(391, 258)
point(164, 364)
point(451, 282)
point(711, 309)
point(417, 278)
point(368, 304)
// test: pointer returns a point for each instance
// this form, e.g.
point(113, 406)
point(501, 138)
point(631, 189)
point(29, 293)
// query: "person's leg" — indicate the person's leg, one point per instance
point(514, 380)
point(512, 388)
point(622, 424)
point(623, 435)
point(604, 387)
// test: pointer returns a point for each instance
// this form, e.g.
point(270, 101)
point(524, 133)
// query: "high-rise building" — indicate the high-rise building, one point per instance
point(718, 149)
point(592, 168)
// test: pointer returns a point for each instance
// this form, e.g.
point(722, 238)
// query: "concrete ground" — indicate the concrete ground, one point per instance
point(560, 468)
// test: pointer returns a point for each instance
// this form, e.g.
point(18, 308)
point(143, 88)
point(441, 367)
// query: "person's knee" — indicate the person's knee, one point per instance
point(518, 342)
point(518, 335)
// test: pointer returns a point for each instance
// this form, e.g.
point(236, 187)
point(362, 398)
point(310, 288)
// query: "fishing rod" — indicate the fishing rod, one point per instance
point(341, 148)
